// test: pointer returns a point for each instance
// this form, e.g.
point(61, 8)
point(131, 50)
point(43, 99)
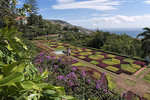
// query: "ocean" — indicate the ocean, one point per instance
point(133, 32)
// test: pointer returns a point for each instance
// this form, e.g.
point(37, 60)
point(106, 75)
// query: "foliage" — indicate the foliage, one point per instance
point(111, 68)
point(19, 79)
point(76, 82)
point(123, 44)
point(145, 40)
point(8, 12)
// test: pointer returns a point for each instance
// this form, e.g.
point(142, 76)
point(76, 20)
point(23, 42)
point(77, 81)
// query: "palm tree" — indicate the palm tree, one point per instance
point(145, 41)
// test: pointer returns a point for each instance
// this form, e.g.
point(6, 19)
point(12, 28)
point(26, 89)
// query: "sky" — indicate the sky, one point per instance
point(93, 14)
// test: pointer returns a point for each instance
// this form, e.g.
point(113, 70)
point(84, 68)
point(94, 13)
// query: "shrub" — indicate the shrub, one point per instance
point(94, 62)
point(111, 68)
point(96, 57)
point(111, 61)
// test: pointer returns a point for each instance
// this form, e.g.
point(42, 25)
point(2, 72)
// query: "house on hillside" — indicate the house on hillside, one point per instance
point(21, 20)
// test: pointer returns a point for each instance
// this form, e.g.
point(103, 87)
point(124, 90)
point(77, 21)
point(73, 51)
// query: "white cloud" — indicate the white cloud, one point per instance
point(147, 1)
point(43, 9)
point(90, 4)
point(65, 1)
point(118, 21)
point(101, 14)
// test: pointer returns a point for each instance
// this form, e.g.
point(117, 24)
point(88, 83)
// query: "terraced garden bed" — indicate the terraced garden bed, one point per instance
point(147, 77)
point(110, 62)
point(113, 63)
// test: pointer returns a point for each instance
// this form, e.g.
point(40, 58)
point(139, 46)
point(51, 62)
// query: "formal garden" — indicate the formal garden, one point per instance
point(110, 62)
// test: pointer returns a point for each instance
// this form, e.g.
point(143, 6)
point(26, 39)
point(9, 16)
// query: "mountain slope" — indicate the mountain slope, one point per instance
point(66, 24)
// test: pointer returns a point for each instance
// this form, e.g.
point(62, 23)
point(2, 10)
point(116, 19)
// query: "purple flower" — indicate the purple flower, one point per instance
point(74, 69)
point(105, 90)
point(83, 73)
point(60, 77)
point(37, 60)
point(41, 54)
point(55, 67)
point(70, 84)
point(48, 57)
point(59, 58)
point(53, 57)
point(97, 86)
point(109, 92)
point(88, 81)
point(40, 69)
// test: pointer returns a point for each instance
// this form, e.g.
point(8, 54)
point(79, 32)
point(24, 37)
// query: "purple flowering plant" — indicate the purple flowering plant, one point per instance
point(76, 82)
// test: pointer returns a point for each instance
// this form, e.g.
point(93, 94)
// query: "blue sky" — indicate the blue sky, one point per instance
point(94, 14)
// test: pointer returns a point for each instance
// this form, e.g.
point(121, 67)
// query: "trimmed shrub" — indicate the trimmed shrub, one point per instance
point(111, 68)
point(94, 62)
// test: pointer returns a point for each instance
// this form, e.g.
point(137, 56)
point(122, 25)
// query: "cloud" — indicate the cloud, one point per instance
point(115, 21)
point(65, 1)
point(20, 2)
point(101, 14)
point(90, 4)
point(43, 9)
point(147, 1)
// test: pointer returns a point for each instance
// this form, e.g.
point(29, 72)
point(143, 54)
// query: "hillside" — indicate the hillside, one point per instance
point(64, 24)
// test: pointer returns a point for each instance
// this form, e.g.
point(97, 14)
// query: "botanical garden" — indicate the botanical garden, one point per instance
point(101, 66)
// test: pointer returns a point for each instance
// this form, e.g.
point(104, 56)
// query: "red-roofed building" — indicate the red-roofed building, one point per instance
point(23, 19)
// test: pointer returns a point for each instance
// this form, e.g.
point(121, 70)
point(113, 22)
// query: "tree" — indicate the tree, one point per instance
point(34, 5)
point(145, 40)
point(8, 12)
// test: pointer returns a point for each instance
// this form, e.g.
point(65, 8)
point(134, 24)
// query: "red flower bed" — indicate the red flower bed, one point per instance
point(102, 65)
point(120, 58)
point(87, 59)
point(100, 60)
point(104, 54)
point(124, 62)
point(139, 63)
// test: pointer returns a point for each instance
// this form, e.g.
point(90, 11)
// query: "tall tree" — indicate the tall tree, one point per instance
point(34, 6)
point(8, 12)
point(145, 40)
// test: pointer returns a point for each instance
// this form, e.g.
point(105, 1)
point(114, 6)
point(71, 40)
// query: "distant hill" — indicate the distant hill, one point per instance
point(64, 24)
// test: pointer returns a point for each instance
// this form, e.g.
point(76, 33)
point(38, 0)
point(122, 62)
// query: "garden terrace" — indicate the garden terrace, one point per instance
point(119, 70)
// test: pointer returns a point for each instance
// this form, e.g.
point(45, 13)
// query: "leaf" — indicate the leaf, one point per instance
point(27, 85)
point(41, 76)
point(33, 97)
point(49, 92)
point(11, 79)
point(1, 63)
point(68, 97)
point(42, 85)
point(60, 90)
point(14, 67)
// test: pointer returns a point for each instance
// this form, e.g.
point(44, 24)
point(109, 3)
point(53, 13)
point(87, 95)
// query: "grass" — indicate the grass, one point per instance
point(147, 96)
point(129, 60)
point(96, 57)
point(94, 62)
point(96, 75)
point(81, 57)
point(79, 64)
point(130, 82)
point(111, 68)
point(44, 38)
point(85, 53)
point(109, 55)
point(136, 66)
point(147, 77)
point(111, 61)
point(141, 73)
point(97, 53)
point(111, 84)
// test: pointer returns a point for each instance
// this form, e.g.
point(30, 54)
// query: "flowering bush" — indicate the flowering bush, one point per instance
point(76, 82)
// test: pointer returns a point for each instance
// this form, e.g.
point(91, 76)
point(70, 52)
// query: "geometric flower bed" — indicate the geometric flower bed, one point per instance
point(147, 77)
point(113, 63)
point(57, 45)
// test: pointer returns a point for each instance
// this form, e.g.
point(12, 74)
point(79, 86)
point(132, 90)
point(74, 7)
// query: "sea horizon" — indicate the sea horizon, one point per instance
point(133, 32)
